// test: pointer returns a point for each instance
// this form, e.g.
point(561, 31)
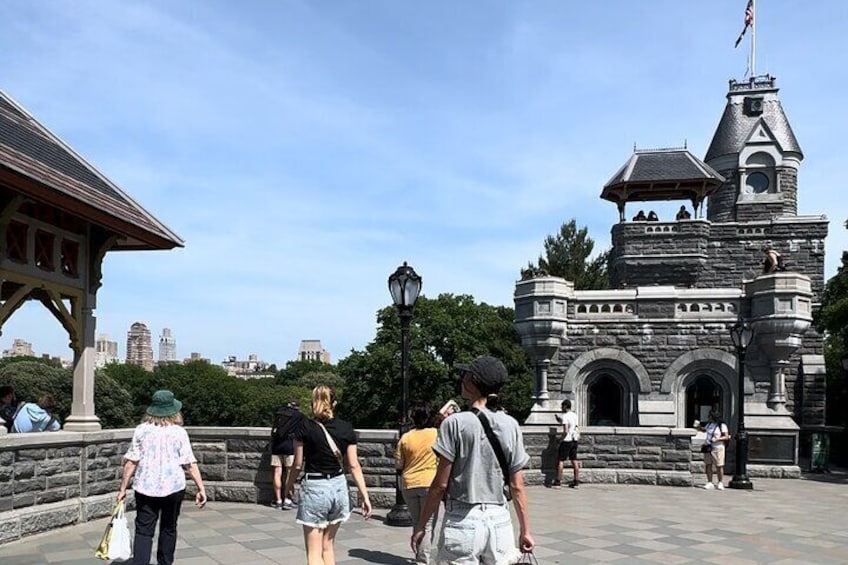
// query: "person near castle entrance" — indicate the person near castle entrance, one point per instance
point(476, 449)
point(716, 437)
point(568, 445)
point(324, 445)
point(415, 459)
point(683, 213)
point(159, 456)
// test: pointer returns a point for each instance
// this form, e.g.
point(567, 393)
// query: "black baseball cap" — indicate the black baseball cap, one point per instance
point(488, 373)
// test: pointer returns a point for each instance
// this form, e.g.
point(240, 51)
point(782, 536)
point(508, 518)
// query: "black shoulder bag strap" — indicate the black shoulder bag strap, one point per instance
point(496, 447)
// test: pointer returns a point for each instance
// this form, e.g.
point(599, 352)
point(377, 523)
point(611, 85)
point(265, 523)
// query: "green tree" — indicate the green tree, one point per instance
point(832, 320)
point(568, 255)
point(309, 374)
point(33, 378)
point(446, 330)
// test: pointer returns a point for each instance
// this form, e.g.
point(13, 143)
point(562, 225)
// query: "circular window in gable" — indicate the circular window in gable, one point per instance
point(757, 183)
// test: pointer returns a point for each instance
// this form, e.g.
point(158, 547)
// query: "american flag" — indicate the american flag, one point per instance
point(749, 21)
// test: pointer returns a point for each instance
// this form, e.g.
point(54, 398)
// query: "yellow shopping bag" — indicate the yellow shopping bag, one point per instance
point(103, 548)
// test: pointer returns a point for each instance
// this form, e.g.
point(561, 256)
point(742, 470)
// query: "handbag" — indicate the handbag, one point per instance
point(706, 448)
point(527, 559)
point(115, 544)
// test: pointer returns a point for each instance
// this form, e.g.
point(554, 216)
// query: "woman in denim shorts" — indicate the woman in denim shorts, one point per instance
point(324, 445)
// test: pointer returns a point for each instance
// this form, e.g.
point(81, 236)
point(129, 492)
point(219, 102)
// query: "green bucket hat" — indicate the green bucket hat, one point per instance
point(164, 404)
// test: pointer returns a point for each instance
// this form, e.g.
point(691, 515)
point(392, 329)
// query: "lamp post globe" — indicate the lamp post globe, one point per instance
point(404, 286)
point(741, 334)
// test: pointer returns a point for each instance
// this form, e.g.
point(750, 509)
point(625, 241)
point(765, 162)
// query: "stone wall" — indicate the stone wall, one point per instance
point(49, 480)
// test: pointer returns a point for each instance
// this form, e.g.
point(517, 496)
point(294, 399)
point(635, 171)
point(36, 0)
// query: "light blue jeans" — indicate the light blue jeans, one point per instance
point(474, 534)
point(323, 502)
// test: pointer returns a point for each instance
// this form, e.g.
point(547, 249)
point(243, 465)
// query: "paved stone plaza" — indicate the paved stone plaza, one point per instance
point(782, 521)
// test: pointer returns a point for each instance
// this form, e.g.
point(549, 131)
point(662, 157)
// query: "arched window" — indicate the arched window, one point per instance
point(702, 396)
point(759, 177)
point(606, 402)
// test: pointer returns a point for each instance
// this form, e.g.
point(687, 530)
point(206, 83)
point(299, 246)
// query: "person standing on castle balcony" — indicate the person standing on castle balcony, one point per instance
point(773, 261)
point(652, 216)
point(683, 213)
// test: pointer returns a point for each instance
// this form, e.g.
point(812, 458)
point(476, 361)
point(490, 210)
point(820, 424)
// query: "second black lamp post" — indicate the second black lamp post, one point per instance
point(405, 286)
point(741, 334)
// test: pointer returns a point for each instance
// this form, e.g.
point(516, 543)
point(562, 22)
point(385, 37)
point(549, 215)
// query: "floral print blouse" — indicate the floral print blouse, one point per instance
point(161, 452)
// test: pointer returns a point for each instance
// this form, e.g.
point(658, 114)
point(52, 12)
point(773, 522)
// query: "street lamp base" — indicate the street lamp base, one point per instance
point(741, 482)
point(399, 516)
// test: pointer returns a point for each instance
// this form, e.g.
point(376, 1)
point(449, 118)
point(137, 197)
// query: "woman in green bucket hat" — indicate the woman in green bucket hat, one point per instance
point(156, 461)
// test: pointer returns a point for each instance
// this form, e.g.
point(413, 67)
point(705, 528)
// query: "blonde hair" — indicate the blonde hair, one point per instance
point(323, 402)
point(173, 419)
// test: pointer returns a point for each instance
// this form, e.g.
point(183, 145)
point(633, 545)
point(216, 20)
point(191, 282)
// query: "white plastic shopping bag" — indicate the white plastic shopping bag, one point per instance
point(115, 544)
point(120, 548)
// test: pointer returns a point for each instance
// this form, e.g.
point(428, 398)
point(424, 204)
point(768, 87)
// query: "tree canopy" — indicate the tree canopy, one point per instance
point(446, 330)
point(832, 320)
point(568, 255)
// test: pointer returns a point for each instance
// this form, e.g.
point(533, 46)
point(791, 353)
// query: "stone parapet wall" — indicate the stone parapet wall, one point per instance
point(54, 479)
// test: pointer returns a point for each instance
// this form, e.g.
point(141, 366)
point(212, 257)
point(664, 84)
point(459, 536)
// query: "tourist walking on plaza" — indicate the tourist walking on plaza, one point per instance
point(323, 445)
point(415, 459)
point(475, 450)
point(568, 445)
point(287, 420)
point(715, 438)
point(156, 461)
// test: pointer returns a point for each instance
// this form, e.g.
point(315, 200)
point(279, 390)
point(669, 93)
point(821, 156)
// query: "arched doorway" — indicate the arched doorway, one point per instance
point(606, 402)
point(702, 396)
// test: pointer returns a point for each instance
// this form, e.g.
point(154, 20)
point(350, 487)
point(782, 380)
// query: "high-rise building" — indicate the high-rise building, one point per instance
point(167, 347)
point(105, 351)
point(20, 348)
point(139, 348)
point(312, 350)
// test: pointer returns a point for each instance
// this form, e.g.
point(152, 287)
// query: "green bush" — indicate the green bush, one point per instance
point(33, 378)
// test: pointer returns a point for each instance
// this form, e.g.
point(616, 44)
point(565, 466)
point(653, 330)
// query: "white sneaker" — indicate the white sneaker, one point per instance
point(720, 486)
point(709, 486)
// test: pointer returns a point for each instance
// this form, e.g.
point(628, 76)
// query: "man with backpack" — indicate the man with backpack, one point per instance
point(37, 417)
point(481, 456)
point(287, 421)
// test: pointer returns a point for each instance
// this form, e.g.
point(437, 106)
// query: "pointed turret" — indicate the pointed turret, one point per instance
point(755, 149)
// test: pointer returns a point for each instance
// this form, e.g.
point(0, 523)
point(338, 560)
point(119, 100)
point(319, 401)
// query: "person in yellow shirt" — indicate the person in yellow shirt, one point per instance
point(415, 459)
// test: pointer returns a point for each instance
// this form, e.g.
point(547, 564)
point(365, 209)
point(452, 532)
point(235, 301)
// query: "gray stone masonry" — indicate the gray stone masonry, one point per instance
point(50, 480)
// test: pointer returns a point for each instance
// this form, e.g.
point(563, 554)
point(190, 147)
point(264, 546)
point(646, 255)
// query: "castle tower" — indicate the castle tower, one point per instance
point(755, 149)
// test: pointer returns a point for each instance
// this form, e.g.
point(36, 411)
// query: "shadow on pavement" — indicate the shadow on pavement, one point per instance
point(378, 557)
point(834, 475)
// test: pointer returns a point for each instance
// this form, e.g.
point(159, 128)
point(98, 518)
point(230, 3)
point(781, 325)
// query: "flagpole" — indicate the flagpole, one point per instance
point(754, 39)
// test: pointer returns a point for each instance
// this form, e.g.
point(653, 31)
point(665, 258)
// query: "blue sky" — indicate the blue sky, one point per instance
point(303, 150)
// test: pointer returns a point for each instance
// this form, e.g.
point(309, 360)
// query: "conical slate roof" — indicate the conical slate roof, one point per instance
point(735, 126)
point(35, 161)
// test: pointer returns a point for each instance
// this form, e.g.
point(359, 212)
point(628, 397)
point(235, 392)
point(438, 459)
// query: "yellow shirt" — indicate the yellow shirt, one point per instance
point(415, 456)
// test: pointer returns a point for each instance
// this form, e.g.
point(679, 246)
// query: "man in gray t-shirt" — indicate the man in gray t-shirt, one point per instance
point(477, 527)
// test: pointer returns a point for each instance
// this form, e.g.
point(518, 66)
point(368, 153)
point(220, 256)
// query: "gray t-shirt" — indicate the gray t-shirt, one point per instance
point(476, 476)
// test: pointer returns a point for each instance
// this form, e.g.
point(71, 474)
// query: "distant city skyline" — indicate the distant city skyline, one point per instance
point(455, 136)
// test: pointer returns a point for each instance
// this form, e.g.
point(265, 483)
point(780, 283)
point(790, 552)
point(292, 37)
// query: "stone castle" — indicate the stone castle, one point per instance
point(655, 349)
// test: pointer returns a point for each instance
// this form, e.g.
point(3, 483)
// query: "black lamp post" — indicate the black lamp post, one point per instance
point(405, 286)
point(741, 334)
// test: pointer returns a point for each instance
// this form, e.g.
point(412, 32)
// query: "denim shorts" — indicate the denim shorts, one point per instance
point(477, 533)
point(323, 502)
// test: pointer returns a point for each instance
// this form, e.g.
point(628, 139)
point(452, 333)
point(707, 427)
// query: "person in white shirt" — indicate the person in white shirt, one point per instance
point(715, 439)
point(568, 445)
